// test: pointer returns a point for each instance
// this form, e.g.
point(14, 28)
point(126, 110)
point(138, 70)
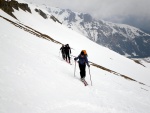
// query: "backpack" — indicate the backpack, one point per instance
point(85, 53)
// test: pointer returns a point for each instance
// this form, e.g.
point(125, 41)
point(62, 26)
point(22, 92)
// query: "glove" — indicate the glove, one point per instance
point(88, 65)
point(75, 59)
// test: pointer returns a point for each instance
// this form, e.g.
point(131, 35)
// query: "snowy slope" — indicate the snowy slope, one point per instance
point(109, 59)
point(34, 78)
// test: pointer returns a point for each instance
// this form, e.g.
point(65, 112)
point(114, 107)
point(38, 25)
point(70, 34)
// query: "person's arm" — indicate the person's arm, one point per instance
point(76, 58)
point(70, 50)
point(87, 62)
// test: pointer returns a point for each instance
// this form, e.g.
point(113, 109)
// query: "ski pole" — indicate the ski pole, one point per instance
point(90, 76)
point(59, 53)
point(74, 68)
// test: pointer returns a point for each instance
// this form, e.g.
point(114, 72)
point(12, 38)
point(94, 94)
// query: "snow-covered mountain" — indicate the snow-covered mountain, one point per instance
point(124, 39)
point(34, 78)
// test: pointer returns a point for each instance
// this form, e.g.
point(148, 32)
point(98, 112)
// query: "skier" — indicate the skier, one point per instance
point(67, 52)
point(63, 51)
point(83, 60)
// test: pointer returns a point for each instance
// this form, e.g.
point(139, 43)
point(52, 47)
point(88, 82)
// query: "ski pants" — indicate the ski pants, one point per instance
point(82, 70)
point(63, 55)
point(68, 57)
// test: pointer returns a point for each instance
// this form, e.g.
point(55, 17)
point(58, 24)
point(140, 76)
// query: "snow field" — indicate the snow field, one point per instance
point(34, 78)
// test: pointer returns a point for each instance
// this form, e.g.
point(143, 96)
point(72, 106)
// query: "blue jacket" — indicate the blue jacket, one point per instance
point(82, 60)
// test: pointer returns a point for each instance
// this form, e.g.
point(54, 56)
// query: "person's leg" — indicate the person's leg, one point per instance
point(82, 70)
point(62, 55)
point(69, 58)
point(66, 56)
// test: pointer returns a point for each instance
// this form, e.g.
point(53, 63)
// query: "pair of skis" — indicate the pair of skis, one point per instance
point(82, 80)
point(85, 83)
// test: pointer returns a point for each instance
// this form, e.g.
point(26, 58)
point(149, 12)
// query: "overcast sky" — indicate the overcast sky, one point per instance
point(133, 12)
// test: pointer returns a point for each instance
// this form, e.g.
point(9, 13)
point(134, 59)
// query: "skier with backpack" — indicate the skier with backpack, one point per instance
point(67, 52)
point(83, 60)
point(63, 51)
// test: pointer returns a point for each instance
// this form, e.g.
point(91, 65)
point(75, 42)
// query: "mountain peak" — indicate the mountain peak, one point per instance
point(122, 38)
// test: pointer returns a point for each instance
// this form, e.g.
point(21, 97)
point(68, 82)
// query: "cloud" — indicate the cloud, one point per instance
point(119, 11)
